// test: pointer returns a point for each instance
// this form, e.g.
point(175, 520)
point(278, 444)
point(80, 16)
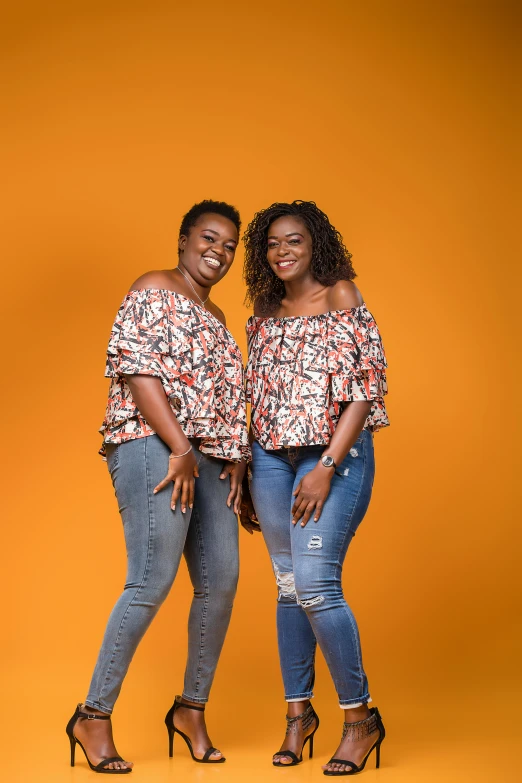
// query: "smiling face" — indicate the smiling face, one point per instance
point(208, 251)
point(289, 250)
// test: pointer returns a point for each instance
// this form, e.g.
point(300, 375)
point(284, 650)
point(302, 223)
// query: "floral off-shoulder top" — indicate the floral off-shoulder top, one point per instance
point(303, 370)
point(159, 332)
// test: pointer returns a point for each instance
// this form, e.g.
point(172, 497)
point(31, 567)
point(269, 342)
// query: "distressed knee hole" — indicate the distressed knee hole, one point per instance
point(316, 542)
point(306, 603)
point(285, 583)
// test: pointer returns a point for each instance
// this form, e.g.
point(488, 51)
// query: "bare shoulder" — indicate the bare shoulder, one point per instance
point(344, 295)
point(217, 312)
point(158, 278)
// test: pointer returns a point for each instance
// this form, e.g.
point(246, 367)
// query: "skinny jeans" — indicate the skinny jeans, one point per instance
point(156, 537)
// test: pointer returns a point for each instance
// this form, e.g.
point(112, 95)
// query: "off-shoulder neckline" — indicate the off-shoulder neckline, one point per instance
point(305, 317)
point(187, 299)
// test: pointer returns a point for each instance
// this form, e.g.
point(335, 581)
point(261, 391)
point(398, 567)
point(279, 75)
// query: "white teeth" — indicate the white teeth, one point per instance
point(212, 261)
point(286, 263)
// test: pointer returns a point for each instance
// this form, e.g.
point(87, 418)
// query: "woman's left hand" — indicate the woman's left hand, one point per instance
point(247, 514)
point(236, 471)
point(311, 494)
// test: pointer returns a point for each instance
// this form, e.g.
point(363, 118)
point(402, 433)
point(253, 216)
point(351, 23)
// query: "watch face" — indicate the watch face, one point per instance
point(327, 461)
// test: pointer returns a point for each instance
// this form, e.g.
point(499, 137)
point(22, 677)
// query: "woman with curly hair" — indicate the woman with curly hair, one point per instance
point(176, 444)
point(315, 380)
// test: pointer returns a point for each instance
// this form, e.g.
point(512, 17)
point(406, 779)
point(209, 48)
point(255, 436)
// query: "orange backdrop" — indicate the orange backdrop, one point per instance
point(399, 120)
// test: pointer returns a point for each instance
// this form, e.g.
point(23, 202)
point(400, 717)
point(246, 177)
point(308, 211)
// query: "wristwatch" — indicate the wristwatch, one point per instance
point(328, 461)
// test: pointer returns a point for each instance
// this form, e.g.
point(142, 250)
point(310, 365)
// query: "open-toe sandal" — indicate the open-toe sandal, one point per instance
point(169, 723)
point(307, 717)
point(102, 766)
point(357, 731)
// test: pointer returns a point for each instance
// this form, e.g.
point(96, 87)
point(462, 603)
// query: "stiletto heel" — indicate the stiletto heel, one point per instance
point(101, 767)
point(169, 723)
point(308, 716)
point(359, 730)
point(171, 741)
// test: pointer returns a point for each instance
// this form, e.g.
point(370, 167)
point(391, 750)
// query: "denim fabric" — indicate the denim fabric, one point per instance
point(307, 563)
point(156, 537)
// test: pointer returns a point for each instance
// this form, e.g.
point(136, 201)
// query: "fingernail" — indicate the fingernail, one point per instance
point(183, 509)
point(222, 475)
point(302, 524)
point(173, 508)
point(154, 491)
point(191, 506)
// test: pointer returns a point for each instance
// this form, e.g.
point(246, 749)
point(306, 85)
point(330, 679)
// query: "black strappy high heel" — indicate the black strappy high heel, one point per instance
point(308, 716)
point(357, 731)
point(98, 767)
point(169, 723)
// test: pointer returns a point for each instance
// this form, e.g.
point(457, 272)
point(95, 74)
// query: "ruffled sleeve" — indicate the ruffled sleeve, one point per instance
point(158, 332)
point(139, 339)
point(356, 360)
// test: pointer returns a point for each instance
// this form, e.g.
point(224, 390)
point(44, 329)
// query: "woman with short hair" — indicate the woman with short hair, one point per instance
point(176, 445)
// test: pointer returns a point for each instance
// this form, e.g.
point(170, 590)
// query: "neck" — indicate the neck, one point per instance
point(203, 292)
point(295, 290)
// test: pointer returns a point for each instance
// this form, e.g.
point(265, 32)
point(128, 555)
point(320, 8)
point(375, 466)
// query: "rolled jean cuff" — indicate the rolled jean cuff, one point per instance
point(351, 704)
point(97, 706)
point(195, 699)
point(299, 696)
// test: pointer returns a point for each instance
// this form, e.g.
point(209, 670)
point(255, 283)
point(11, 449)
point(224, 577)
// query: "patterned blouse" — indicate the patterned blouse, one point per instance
point(159, 332)
point(303, 369)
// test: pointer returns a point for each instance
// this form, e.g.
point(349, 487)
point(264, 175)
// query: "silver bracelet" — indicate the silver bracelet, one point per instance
point(177, 456)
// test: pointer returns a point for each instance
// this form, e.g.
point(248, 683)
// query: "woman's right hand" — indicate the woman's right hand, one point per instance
point(182, 471)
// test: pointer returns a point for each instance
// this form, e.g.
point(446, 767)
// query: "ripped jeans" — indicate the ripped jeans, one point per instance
point(308, 561)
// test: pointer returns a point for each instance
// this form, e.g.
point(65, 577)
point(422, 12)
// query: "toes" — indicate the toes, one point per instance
point(119, 765)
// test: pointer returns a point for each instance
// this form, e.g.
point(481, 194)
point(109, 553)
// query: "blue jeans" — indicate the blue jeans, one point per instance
point(156, 537)
point(308, 561)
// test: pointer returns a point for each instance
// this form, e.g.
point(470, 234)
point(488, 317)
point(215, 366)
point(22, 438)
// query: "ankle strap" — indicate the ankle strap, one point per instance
point(90, 716)
point(181, 703)
point(361, 728)
point(308, 710)
point(307, 717)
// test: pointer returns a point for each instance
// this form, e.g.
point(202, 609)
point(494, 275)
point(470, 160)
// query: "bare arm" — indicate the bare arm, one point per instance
point(348, 430)
point(314, 488)
point(149, 396)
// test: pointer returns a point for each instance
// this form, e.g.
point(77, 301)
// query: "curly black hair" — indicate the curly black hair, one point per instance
point(204, 208)
point(330, 259)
